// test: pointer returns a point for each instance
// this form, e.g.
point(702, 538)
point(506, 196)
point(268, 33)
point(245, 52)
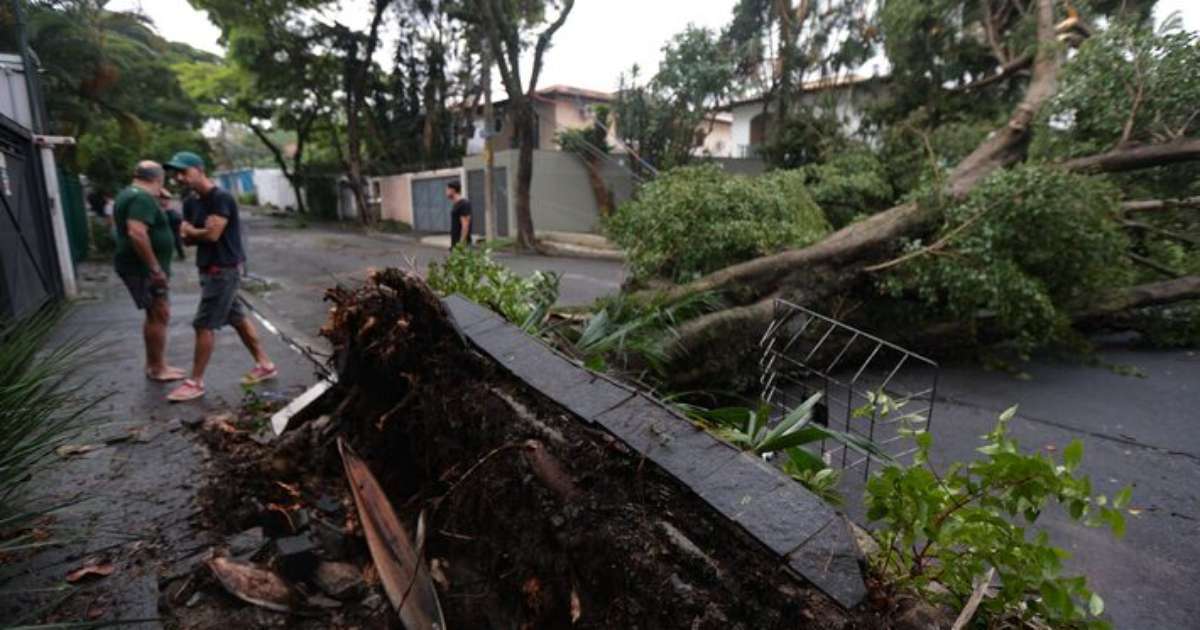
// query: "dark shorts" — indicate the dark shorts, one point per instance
point(219, 303)
point(142, 292)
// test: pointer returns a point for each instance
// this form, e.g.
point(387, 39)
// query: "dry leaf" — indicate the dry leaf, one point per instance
point(252, 584)
point(438, 573)
point(70, 450)
point(92, 567)
point(293, 489)
point(576, 606)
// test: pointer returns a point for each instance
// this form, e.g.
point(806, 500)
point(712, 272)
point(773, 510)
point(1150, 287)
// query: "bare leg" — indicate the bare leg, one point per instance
point(249, 334)
point(154, 334)
point(205, 339)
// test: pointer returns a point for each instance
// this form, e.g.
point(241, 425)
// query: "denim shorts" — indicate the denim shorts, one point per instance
point(219, 303)
point(142, 292)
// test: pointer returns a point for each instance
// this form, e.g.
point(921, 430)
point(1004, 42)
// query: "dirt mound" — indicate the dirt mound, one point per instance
point(531, 519)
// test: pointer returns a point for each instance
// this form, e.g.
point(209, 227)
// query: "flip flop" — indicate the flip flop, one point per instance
point(172, 374)
point(260, 374)
point(190, 390)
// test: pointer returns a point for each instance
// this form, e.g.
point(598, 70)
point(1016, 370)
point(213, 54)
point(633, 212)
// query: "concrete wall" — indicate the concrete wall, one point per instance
point(560, 196)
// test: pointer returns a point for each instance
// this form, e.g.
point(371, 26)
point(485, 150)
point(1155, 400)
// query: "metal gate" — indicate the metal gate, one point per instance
point(431, 209)
point(29, 275)
point(499, 199)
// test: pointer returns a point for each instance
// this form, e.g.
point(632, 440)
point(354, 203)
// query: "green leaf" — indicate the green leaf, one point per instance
point(1123, 497)
point(1095, 605)
point(1073, 455)
point(1008, 414)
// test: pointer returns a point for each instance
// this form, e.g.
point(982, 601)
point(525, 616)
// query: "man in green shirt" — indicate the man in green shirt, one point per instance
point(143, 260)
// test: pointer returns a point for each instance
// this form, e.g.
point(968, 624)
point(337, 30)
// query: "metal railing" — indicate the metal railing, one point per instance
point(871, 389)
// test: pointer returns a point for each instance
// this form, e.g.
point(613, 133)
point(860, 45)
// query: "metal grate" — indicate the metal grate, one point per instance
point(870, 388)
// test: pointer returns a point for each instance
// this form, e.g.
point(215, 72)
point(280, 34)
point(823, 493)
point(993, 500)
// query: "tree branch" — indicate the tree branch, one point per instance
point(1153, 264)
point(543, 42)
point(1146, 205)
point(1005, 71)
point(1137, 157)
point(1140, 296)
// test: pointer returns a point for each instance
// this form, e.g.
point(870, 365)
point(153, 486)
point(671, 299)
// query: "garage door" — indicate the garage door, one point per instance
point(431, 209)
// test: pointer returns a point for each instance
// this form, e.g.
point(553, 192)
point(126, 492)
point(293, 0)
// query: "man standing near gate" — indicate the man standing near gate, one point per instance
point(215, 227)
point(460, 215)
point(143, 261)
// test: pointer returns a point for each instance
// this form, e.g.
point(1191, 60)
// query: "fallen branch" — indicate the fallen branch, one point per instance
point(933, 247)
point(968, 611)
point(1147, 205)
point(1140, 296)
point(1005, 71)
point(1154, 264)
point(1137, 157)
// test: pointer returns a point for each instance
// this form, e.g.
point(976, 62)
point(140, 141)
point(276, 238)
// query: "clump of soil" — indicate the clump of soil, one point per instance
point(532, 519)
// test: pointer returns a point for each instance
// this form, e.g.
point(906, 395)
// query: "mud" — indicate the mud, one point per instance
point(533, 519)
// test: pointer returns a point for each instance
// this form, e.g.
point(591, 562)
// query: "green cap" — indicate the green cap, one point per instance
point(184, 160)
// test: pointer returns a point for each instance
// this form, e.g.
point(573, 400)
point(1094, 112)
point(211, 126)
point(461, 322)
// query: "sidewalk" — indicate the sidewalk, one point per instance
point(565, 244)
point(135, 494)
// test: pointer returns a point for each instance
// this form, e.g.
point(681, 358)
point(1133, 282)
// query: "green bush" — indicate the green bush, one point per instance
point(693, 220)
point(472, 273)
point(247, 199)
point(1024, 248)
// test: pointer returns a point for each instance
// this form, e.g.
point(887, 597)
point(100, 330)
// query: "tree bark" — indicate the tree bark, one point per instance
point(523, 126)
point(356, 81)
point(1148, 205)
point(1121, 301)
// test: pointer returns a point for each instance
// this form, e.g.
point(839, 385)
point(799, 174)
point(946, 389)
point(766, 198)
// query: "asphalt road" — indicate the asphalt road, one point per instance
point(1143, 431)
point(305, 262)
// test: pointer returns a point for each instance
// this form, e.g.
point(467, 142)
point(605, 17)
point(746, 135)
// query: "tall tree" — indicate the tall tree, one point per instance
point(508, 28)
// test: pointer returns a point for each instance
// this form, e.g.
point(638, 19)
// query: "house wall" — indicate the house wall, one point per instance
point(14, 93)
point(560, 195)
point(718, 140)
point(849, 103)
point(273, 188)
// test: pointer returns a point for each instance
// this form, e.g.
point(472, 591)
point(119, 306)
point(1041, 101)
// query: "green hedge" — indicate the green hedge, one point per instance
point(693, 220)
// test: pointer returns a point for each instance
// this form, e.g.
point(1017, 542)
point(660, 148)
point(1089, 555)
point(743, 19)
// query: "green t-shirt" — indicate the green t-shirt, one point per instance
point(137, 204)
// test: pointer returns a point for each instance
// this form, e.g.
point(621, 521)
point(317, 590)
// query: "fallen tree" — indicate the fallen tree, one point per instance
point(847, 264)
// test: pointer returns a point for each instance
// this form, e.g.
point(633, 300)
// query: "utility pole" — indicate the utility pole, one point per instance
point(489, 168)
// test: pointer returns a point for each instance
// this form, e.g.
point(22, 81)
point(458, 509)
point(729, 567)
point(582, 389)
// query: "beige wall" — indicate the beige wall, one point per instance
point(395, 192)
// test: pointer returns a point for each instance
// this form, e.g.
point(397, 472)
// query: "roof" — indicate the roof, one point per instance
point(818, 85)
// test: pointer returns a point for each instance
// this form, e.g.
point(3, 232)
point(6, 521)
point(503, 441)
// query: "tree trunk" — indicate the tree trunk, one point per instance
point(291, 174)
point(523, 128)
point(1131, 158)
point(599, 186)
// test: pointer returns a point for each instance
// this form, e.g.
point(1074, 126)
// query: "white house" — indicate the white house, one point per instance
point(848, 95)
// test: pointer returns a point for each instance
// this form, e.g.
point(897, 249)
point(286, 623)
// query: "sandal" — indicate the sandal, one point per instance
point(190, 390)
point(168, 375)
point(259, 374)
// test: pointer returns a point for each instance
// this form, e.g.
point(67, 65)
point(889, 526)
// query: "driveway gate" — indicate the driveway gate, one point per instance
point(29, 275)
point(431, 209)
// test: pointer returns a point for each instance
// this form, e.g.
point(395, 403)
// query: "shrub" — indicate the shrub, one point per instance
point(850, 184)
point(1024, 248)
point(247, 199)
point(472, 273)
point(693, 220)
point(940, 533)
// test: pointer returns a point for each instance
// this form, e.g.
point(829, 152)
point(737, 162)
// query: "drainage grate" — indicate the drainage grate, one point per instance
point(870, 388)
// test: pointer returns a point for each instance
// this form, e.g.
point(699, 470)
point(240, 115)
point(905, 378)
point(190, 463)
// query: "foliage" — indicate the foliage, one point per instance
point(850, 184)
point(248, 198)
point(472, 273)
point(40, 409)
point(1129, 84)
point(100, 238)
point(665, 119)
point(107, 81)
point(623, 331)
point(696, 219)
point(947, 530)
point(751, 429)
point(1024, 248)
point(1171, 326)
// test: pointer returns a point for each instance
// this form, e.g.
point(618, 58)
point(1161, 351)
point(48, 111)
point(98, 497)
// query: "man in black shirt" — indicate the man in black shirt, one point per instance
point(460, 215)
point(214, 226)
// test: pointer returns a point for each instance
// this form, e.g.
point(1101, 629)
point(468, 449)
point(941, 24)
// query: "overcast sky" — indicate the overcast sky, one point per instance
point(600, 40)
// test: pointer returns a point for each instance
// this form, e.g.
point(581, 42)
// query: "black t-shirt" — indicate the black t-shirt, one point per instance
point(462, 208)
point(227, 250)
